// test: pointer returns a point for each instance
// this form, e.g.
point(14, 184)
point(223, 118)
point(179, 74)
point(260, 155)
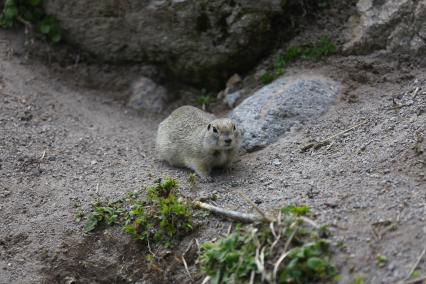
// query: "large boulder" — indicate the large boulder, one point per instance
point(274, 109)
point(199, 41)
point(398, 26)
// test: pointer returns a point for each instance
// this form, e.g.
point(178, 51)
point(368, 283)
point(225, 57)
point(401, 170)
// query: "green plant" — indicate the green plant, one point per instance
point(103, 215)
point(203, 101)
point(360, 279)
point(324, 47)
point(416, 274)
point(287, 251)
point(31, 14)
point(161, 217)
point(296, 210)
point(313, 51)
point(381, 261)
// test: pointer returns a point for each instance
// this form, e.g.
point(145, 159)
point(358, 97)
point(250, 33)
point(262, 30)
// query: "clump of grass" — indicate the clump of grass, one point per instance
point(313, 51)
point(289, 250)
point(31, 14)
point(161, 217)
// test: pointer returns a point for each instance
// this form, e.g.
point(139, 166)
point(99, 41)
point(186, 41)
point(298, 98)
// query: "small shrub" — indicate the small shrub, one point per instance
point(30, 12)
point(252, 253)
point(162, 217)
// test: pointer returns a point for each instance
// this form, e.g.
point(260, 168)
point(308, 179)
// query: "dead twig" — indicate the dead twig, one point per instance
point(206, 280)
point(198, 245)
point(186, 268)
point(43, 155)
point(27, 24)
point(252, 274)
point(234, 215)
point(252, 204)
point(326, 141)
point(416, 92)
point(422, 254)
point(310, 222)
point(260, 261)
point(149, 249)
point(415, 280)
point(284, 255)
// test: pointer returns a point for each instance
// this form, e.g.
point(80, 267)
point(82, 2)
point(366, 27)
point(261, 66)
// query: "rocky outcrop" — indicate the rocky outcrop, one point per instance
point(198, 41)
point(146, 95)
point(275, 108)
point(399, 26)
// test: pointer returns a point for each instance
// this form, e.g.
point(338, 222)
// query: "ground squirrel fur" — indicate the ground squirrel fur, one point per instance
point(192, 138)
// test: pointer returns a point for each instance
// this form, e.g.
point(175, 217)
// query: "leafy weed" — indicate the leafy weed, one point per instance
point(288, 251)
point(161, 217)
point(30, 12)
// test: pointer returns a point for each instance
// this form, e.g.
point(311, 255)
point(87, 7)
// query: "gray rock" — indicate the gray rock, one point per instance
point(274, 109)
point(231, 99)
point(276, 162)
point(399, 26)
point(197, 41)
point(145, 94)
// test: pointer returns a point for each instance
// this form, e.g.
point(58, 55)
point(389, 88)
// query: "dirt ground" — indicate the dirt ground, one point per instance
point(63, 146)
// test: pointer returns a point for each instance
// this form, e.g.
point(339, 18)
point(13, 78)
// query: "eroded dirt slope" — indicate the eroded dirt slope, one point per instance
point(61, 145)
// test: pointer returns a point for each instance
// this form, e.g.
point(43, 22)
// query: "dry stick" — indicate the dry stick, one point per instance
point(284, 255)
point(415, 280)
point(310, 222)
point(43, 155)
point(198, 245)
point(234, 215)
point(417, 262)
point(416, 92)
point(255, 206)
point(259, 263)
point(27, 24)
point(186, 268)
point(205, 280)
point(252, 274)
point(316, 145)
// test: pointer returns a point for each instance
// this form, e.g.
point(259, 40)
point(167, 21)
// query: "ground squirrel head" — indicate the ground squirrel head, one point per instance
point(222, 134)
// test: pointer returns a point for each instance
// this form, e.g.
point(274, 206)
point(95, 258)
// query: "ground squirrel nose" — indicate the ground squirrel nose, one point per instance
point(228, 140)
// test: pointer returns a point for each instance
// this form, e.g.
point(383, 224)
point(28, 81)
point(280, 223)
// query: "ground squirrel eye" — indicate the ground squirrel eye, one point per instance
point(208, 127)
point(234, 127)
point(214, 129)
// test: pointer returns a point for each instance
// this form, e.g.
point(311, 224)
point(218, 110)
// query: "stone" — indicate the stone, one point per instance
point(397, 26)
point(231, 99)
point(146, 95)
point(233, 83)
point(201, 42)
point(276, 162)
point(274, 109)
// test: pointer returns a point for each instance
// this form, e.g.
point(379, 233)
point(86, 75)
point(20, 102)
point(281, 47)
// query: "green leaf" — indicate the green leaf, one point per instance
point(10, 12)
point(91, 224)
point(9, 3)
point(45, 27)
point(299, 211)
point(317, 264)
point(35, 2)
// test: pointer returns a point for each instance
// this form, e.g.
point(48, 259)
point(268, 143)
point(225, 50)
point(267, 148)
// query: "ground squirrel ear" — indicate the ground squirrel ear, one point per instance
point(208, 127)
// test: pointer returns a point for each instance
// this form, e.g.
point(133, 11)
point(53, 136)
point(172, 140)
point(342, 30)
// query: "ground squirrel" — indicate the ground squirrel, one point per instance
point(192, 138)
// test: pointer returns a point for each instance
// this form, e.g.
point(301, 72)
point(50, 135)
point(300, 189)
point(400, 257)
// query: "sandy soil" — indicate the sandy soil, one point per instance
point(63, 146)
